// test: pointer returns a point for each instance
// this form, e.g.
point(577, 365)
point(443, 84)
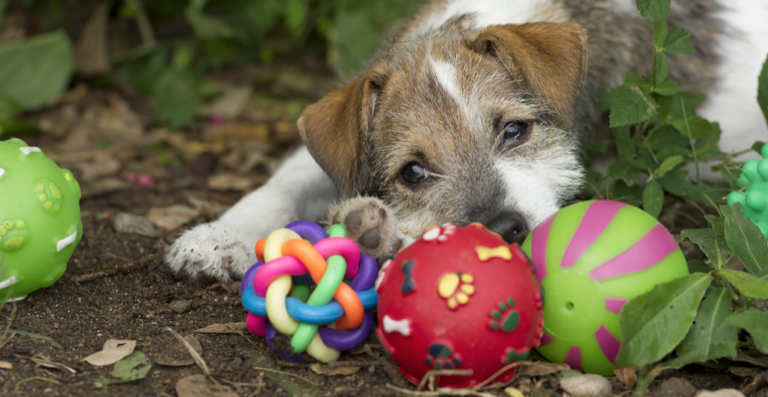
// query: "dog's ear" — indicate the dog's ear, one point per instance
point(335, 131)
point(549, 58)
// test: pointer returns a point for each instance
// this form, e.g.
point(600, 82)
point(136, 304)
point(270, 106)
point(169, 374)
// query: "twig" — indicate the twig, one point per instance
point(35, 378)
point(286, 373)
point(441, 391)
point(499, 372)
point(32, 335)
point(195, 355)
point(430, 375)
point(145, 28)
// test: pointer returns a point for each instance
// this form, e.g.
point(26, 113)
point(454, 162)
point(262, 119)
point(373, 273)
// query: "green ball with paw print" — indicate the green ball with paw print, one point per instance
point(40, 221)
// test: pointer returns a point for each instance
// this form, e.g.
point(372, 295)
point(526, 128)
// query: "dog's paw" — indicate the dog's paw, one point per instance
point(370, 223)
point(210, 251)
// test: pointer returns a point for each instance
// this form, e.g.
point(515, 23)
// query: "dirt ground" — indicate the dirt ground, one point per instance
point(117, 287)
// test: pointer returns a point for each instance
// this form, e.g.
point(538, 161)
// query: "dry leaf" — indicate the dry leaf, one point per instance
point(99, 167)
point(513, 392)
point(627, 375)
point(5, 365)
point(539, 368)
point(237, 131)
point(131, 223)
point(91, 52)
point(229, 182)
point(210, 208)
point(177, 354)
point(229, 328)
point(229, 104)
point(326, 370)
point(114, 350)
point(200, 386)
point(102, 186)
point(172, 217)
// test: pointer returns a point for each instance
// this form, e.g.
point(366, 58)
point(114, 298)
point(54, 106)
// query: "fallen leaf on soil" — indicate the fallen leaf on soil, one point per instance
point(177, 354)
point(627, 375)
point(236, 131)
point(134, 367)
point(228, 328)
point(200, 386)
point(131, 223)
point(114, 350)
point(539, 368)
point(229, 104)
point(180, 306)
point(102, 186)
point(229, 182)
point(170, 218)
point(210, 208)
point(99, 167)
point(326, 370)
point(5, 365)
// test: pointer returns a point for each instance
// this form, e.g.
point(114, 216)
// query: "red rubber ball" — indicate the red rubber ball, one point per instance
point(459, 298)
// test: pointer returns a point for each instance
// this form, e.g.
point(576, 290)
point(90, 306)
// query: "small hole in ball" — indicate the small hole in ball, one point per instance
point(569, 305)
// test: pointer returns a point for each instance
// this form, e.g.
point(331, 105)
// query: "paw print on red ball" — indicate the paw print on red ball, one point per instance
point(440, 356)
point(506, 318)
point(439, 234)
point(456, 288)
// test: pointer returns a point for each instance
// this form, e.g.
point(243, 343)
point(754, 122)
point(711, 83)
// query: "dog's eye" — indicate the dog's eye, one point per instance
point(514, 131)
point(414, 173)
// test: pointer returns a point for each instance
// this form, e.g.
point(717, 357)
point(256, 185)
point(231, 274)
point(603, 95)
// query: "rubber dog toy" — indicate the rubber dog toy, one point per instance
point(298, 286)
point(459, 298)
point(40, 221)
point(754, 177)
point(591, 257)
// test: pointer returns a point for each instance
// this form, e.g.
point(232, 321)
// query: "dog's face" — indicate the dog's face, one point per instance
point(460, 126)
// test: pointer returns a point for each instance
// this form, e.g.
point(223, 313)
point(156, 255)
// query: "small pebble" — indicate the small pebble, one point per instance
point(720, 393)
point(588, 385)
point(371, 369)
point(676, 387)
point(130, 223)
point(236, 363)
point(180, 306)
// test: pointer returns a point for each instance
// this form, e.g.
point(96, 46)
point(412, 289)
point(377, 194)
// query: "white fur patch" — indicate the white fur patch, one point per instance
point(298, 190)
point(535, 188)
point(733, 102)
point(499, 12)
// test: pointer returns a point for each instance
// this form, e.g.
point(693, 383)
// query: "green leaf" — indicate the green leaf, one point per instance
point(747, 284)
point(678, 183)
point(762, 90)
point(666, 88)
point(709, 338)
point(659, 34)
point(696, 126)
point(654, 10)
point(36, 71)
point(205, 26)
point(758, 146)
point(624, 170)
point(698, 266)
point(133, 367)
point(756, 323)
point(629, 105)
point(712, 243)
point(745, 239)
point(176, 97)
point(652, 324)
point(653, 198)
point(662, 67)
point(627, 194)
point(678, 41)
point(684, 104)
point(667, 165)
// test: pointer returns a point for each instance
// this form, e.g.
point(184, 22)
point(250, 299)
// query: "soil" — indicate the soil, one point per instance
point(117, 286)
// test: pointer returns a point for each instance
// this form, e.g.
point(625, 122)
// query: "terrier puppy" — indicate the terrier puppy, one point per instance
point(475, 111)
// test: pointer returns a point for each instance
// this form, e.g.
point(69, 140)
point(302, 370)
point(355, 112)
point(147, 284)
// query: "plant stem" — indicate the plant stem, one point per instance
point(145, 27)
point(693, 146)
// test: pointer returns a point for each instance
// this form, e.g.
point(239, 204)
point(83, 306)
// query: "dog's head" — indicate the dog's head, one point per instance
point(460, 125)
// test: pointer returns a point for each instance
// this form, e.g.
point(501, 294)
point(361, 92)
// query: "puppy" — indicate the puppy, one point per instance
point(475, 111)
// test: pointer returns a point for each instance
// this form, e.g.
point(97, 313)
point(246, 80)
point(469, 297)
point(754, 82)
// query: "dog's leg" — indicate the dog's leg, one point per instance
point(371, 223)
point(225, 248)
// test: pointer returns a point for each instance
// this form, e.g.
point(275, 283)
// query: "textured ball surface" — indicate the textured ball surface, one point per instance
point(591, 258)
point(754, 177)
point(39, 219)
point(459, 298)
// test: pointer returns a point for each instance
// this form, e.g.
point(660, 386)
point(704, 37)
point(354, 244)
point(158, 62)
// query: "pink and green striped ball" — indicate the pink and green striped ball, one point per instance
point(591, 258)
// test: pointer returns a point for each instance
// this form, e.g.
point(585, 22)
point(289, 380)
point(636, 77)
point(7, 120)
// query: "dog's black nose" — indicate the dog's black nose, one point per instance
point(509, 225)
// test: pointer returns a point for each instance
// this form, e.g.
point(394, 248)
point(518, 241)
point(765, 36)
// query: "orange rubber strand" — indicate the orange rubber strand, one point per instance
point(260, 249)
point(316, 265)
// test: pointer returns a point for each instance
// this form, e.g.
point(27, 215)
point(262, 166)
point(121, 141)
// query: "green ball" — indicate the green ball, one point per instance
point(40, 221)
point(591, 258)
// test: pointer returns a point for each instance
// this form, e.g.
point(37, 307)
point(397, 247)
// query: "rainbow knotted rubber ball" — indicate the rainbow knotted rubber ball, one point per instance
point(591, 258)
